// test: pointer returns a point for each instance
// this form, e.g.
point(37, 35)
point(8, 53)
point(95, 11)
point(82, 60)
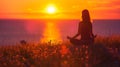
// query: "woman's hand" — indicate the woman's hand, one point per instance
point(69, 37)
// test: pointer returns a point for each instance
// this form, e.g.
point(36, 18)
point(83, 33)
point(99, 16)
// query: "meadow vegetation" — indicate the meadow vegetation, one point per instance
point(105, 52)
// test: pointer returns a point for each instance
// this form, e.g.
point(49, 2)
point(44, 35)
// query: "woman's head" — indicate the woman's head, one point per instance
point(85, 15)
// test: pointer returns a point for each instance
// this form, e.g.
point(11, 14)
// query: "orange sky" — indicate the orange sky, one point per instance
point(99, 9)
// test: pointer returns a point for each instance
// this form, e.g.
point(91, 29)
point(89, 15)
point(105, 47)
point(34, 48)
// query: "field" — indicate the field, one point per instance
point(105, 52)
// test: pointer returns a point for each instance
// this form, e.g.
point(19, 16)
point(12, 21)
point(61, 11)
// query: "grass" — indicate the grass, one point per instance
point(104, 53)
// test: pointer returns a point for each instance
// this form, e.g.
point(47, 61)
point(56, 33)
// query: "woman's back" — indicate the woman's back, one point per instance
point(86, 30)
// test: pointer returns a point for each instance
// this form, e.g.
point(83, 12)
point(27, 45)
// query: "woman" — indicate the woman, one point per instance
point(84, 30)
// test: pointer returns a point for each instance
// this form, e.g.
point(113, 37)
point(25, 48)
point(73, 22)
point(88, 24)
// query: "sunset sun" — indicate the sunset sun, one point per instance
point(51, 9)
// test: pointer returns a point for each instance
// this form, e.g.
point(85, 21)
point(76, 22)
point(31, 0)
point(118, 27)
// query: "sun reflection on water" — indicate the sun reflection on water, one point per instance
point(51, 33)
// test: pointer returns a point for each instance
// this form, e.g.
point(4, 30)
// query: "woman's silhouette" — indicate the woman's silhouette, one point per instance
point(84, 30)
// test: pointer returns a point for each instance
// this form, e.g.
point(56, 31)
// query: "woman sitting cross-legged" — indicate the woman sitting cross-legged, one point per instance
point(84, 30)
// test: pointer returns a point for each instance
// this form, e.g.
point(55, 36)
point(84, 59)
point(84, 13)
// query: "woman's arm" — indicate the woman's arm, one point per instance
point(91, 31)
point(73, 36)
point(79, 30)
point(76, 35)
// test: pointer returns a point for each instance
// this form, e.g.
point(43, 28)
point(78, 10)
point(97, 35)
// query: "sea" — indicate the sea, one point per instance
point(12, 31)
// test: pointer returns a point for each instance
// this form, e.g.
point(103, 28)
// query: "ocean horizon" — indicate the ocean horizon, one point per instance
point(33, 30)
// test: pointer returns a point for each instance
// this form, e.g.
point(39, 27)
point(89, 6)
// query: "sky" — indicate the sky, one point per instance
point(99, 9)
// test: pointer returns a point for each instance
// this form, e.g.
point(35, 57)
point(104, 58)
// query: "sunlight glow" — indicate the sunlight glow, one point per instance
point(51, 33)
point(51, 9)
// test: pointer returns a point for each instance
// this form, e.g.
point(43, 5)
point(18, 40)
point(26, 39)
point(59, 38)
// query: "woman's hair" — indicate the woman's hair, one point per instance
point(86, 16)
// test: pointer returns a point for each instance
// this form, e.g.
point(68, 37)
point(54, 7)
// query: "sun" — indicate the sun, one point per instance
point(51, 9)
